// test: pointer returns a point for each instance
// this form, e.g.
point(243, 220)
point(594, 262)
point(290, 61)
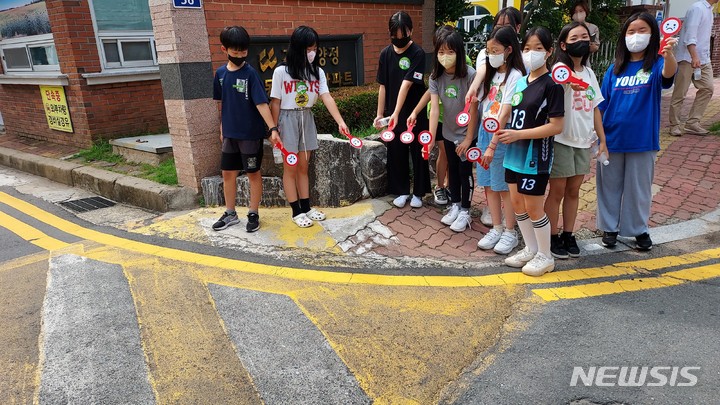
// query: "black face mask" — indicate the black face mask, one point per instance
point(400, 42)
point(578, 49)
point(237, 61)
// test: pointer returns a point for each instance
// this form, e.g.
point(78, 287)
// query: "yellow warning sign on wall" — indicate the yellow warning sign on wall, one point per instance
point(56, 109)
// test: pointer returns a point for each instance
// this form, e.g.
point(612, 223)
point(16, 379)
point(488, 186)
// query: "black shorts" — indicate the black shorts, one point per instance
point(240, 154)
point(528, 184)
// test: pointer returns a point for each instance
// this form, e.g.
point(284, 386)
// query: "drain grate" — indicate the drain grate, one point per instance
point(87, 204)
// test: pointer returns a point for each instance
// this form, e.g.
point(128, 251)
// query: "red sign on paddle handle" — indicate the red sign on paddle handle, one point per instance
point(562, 74)
point(463, 118)
point(356, 143)
point(388, 135)
point(291, 158)
point(669, 27)
point(425, 138)
point(407, 137)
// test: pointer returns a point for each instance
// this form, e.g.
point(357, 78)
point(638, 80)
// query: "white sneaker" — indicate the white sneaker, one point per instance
point(486, 218)
point(539, 265)
point(401, 200)
point(520, 258)
point(508, 241)
point(461, 222)
point(416, 202)
point(452, 215)
point(489, 240)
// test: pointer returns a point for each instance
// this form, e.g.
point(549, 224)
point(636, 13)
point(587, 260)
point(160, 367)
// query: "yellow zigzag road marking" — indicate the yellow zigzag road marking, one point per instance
point(512, 278)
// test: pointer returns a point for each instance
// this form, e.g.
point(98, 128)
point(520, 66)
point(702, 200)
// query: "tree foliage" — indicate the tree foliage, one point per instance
point(450, 10)
point(554, 14)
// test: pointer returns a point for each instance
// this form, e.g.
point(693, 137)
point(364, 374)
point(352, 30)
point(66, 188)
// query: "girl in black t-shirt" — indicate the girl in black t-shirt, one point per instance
point(537, 116)
point(400, 74)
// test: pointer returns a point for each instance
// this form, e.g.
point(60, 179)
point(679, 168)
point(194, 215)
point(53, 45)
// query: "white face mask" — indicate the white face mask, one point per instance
point(637, 42)
point(533, 59)
point(311, 56)
point(447, 61)
point(496, 60)
point(579, 17)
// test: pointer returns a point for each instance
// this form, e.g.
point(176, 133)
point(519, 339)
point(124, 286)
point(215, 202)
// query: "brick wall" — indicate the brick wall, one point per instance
point(99, 111)
point(280, 17)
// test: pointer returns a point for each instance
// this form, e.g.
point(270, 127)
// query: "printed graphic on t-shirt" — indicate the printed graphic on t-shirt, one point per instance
point(404, 63)
point(240, 85)
point(581, 101)
point(301, 99)
point(451, 91)
point(417, 75)
point(631, 84)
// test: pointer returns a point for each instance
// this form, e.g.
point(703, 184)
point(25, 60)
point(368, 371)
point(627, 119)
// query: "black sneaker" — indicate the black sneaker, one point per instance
point(570, 244)
point(441, 197)
point(225, 221)
point(253, 223)
point(643, 242)
point(557, 247)
point(609, 239)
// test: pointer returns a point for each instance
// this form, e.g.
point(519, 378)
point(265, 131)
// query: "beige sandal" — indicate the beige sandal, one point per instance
point(315, 215)
point(302, 221)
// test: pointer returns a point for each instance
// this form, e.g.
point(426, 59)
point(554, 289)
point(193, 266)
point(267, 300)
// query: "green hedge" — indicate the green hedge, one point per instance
point(357, 106)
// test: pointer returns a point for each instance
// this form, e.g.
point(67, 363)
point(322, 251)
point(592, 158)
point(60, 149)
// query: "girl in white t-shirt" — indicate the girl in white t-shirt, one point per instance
point(504, 66)
point(296, 86)
point(572, 147)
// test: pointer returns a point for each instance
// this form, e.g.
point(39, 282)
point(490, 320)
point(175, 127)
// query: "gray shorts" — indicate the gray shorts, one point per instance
point(297, 130)
point(569, 161)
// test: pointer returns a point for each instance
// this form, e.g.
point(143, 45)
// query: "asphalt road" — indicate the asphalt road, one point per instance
point(94, 314)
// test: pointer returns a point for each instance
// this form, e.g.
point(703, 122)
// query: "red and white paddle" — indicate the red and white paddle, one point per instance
point(388, 134)
point(356, 143)
point(463, 117)
point(668, 28)
point(562, 74)
point(291, 158)
point(491, 125)
point(407, 137)
point(425, 138)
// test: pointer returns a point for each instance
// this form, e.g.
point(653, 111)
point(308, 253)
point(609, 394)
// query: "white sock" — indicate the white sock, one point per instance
point(526, 229)
point(542, 234)
point(499, 228)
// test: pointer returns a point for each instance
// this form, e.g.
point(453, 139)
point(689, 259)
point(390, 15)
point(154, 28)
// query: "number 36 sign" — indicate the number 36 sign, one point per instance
point(187, 4)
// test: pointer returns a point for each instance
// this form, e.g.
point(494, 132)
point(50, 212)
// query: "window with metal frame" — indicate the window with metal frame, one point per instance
point(29, 54)
point(124, 33)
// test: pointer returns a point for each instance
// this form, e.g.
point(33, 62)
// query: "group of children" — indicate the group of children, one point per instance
point(544, 136)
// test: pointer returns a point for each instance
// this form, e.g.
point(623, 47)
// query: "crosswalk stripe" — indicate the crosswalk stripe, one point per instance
point(191, 358)
point(288, 357)
point(90, 339)
point(509, 278)
point(21, 302)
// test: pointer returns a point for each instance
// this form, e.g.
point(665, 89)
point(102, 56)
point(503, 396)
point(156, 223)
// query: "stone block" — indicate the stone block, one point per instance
point(149, 149)
point(99, 181)
point(53, 169)
point(273, 194)
point(339, 175)
point(153, 196)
